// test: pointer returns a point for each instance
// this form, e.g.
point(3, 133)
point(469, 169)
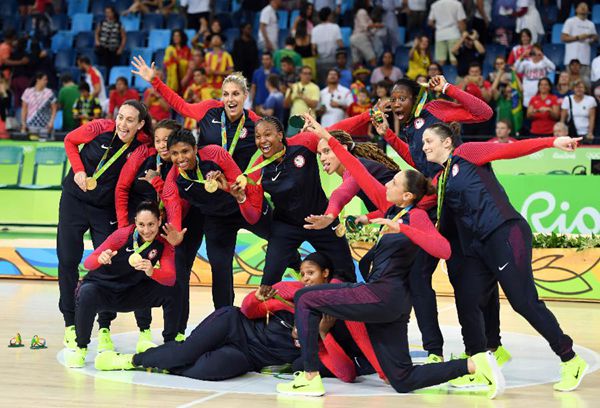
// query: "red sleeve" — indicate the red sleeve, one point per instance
point(253, 308)
point(159, 184)
point(126, 179)
point(94, 77)
point(253, 116)
point(111, 103)
point(469, 108)
point(375, 214)
point(400, 146)
point(480, 153)
point(251, 209)
point(423, 233)
point(306, 139)
point(352, 124)
point(172, 200)
point(114, 242)
point(369, 184)
point(333, 356)
point(193, 110)
point(427, 202)
point(85, 134)
point(361, 337)
point(342, 195)
point(165, 275)
point(223, 159)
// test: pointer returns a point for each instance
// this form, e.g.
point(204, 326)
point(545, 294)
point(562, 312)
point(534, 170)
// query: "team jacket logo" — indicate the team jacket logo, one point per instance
point(419, 122)
point(243, 133)
point(455, 170)
point(299, 161)
point(152, 254)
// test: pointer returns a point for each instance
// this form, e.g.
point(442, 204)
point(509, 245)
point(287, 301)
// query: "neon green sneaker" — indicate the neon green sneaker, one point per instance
point(70, 339)
point(468, 381)
point(180, 337)
point(301, 386)
point(111, 360)
point(487, 369)
point(502, 356)
point(277, 369)
point(571, 374)
point(433, 359)
point(104, 341)
point(75, 358)
point(144, 341)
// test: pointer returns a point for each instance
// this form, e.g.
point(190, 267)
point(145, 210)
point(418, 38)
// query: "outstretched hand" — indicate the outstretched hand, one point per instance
point(391, 227)
point(105, 258)
point(437, 83)
point(311, 125)
point(143, 70)
point(318, 222)
point(566, 143)
point(171, 235)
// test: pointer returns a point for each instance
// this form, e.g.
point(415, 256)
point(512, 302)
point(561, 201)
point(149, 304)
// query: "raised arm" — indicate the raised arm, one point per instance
point(424, 234)
point(114, 242)
point(306, 139)
point(223, 159)
point(469, 108)
point(480, 153)
point(126, 179)
point(84, 134)
point(342, 195)
point(192, 110)
point(352, 124)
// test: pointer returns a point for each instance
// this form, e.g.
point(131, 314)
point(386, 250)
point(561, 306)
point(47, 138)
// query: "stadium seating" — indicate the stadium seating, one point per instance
point(131, 22)
point(556, 31)
point(135, 39)
point(90, 53)
point(159, 39)
point(61, 40)
point(555, 52)
point(282, 18)
point(401, 35)
point(64, 59)
point(81, 22)
point(144, 52)
point(84, 39)
point(49, 156)
point(450, 73)
point(401, 58)
point(596, 14)
point(120, 71)
point(152, 21)
point(175, 21)
point(12, 156)
point(346, 33)
point(77, 6)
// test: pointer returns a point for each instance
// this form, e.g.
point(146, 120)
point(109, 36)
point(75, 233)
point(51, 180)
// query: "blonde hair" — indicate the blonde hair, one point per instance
point(237, 78)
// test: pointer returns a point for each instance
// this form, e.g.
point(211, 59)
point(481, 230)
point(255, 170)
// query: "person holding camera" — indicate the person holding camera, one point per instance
point(469, 49)
point(302, 96)
point(538, 66)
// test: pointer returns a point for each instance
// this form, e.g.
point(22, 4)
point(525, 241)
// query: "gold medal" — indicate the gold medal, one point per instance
point(242, 180)
point(134, 259)
point(211, 186)
point(91, 183)
point(340, 231)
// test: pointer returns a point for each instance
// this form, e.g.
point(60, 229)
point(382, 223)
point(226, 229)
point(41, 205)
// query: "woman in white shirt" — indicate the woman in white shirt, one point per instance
point(363, 43)
point(584, 111)
point(533, 69)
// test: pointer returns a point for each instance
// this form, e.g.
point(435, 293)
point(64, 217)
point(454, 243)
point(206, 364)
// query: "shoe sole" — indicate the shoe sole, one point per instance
point(585, 370)
point(303, 394)
point(499, 379)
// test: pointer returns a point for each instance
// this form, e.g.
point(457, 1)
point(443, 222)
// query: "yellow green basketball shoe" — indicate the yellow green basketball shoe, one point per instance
point(571, 374)
point(301, 386)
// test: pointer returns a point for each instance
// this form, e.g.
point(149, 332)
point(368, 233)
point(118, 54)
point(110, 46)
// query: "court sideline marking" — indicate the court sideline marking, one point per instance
point(203, 400)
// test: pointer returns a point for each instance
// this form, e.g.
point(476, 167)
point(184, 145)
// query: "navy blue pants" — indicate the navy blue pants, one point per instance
point(505, 257)
point(75, 217)
point(284, 241)
point(98, 296)
point(217, 349)
point(385, 308)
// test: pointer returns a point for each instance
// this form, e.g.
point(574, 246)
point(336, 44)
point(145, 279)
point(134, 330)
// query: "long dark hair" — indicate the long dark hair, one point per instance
point(322, 261)
point(184, 37)
point(151, 206)
point(142, 115)
point(418, 184)
point(366, 150)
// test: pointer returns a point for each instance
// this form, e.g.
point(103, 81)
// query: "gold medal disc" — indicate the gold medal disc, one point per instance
point(242, 180)
point(211, 186)
point(134, 259)
point(91, 183)
point(340, 231)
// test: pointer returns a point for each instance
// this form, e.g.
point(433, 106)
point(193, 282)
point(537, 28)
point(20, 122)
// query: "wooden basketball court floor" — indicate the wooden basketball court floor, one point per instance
point(36, 378)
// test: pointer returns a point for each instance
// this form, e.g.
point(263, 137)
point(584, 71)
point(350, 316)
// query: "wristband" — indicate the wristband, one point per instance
point(243, 201)
point(445, 87)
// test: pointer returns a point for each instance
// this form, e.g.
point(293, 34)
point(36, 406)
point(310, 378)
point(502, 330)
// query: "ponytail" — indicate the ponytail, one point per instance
point(444, 131)
point(365, 150)
point(418, 184)
point(142, 115)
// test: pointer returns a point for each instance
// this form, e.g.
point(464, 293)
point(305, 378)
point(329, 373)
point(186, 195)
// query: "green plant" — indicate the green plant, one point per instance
point(554, 240)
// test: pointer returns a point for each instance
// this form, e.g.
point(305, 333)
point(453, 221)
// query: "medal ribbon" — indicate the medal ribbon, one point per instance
point(441, 189)
point(136, 248)
point(198, 174)
point(263, 164)
point(235, 137)
point(102, 166)
point(161, 205)
point(422, 98)
point(396, 218)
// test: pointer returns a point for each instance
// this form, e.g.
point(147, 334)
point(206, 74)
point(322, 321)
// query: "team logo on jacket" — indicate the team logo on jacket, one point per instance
point(455, 170)
point(152, 254)
point(299, 161)
point(243, 133)
point(419, 122)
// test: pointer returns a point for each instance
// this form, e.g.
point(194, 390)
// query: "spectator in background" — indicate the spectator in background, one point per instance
point(580, 108)
point(86, 107)
point(6, 46)
point(575, 73)
point(528, 17)
point(245, 51)
point(334, 5)
point(449, 20)
point(578, 33)
point(504, 106)
point(502, 73)
point(177, 60)
point(110, 39)
point(151, 6)
point(305, 16)
point(475, 84)
point(560, 129)
point(543, 110)
point(533, 69)
point(335, 100)
point(468, 50)
point(219, 63)
point(198, 91)
point(38, 107)
point(158, 107)
point(595, 69)
point(258, 89)
point(196, 62)
point(67, 96)
point(362, 104)
point(302, 96)
point(390, 21)
point(196, 10)
point(206, 31)
point(273, 105)
point(482, 18)
point(326, 38)
point(268, 32)
point(364, 44)
point(523, 48)
point(434, 69)
point(503, 129)
point(419, 57)
point(21, 63)
point(120, 94)
point(341, 64)
point(94, 79)
point(288, 74)
point(361, 77)
point(304, 47)
point(5, 102)
point(288, 51)
point(563, 86)
point(416, 11)
point(387, 70)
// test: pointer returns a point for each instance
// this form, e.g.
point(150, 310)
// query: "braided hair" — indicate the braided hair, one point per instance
point(276, 123)
point(365, 150)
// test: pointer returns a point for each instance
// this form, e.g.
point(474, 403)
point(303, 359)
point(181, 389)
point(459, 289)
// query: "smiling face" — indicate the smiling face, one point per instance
point(161, 135)
point(402, 103)
point(436, 150)
point(268, 139)
point(233, 100)
point(183, 155)
point(331, 164)
point(128, 123)
point(147, 225)
point(312, 274)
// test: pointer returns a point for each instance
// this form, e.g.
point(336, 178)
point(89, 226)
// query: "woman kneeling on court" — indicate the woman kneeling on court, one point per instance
point(133, 269)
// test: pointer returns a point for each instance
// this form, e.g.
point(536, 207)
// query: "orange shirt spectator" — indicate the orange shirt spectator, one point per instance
point(120, 94)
